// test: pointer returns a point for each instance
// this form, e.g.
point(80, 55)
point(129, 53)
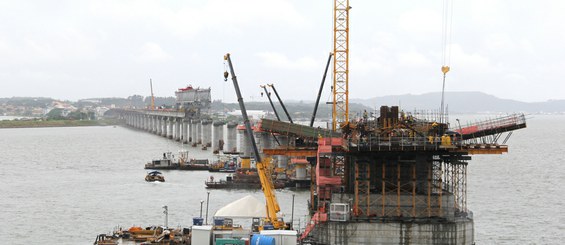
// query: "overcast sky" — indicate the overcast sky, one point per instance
point(83, 49)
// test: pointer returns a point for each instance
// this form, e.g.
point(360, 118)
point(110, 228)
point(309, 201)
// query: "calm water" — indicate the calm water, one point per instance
point(66, 185)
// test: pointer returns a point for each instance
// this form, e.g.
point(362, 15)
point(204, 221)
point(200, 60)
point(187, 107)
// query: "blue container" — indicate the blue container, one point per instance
point(218, 221)
point(262, 240)
point(197, 221)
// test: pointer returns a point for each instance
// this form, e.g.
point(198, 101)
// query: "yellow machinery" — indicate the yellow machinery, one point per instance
point(266, 183)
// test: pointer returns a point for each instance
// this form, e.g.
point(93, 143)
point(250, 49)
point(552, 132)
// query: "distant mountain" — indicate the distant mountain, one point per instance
point(463, 102)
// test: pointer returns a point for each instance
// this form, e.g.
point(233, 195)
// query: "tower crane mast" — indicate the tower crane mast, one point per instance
point(340, 111)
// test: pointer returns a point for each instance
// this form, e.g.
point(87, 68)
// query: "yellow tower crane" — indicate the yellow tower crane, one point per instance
point(152, 107)
point(340, 112)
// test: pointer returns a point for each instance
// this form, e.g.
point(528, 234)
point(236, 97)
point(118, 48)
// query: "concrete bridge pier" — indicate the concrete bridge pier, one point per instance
point(244, 142)
point(138, 121)
point(135, 122)
point(263, 141)
point(185, 134)
point(178, 134)
point(164, 126)
point(171, 127)
point(282, 161)
point(194, 131)
point(206, 133)
point(198, 133)
point(153, 124)
point(149, 123)
point(145, 122)
point(231, 141)
point(218, 136)
point(158, 127)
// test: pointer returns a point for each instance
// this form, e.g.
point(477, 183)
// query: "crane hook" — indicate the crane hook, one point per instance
point(226, 74)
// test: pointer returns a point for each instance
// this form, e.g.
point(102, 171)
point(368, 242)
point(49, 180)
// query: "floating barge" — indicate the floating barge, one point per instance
point(182, 162)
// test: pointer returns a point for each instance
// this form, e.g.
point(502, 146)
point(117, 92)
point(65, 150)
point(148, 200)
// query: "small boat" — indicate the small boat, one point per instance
point(154, 176)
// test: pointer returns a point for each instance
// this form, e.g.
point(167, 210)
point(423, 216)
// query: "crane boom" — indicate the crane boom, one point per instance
point(340, 112)
point(320, 92)
point(270, 101)
point(281, 102)
point(266, 183)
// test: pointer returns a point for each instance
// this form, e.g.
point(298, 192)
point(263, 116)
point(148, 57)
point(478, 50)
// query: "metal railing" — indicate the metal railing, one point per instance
point(402, 143)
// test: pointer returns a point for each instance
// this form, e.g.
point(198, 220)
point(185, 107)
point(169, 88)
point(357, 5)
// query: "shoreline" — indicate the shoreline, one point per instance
point(56, 123)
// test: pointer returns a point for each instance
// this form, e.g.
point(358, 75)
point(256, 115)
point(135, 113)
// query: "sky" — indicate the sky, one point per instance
point(72, 50)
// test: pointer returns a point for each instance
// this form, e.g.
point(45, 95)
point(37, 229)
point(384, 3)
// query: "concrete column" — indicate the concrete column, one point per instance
point(164, 126)
point(282, 160)
point(231, 141)
point(171, 128)
point(185, 134)
point(244, 142)
point(144, 122)
point(153, 128)
point(199, 133)
point(194, 131)
point(260, 142)
point(178, 133)
point(157, 125)
point(207, 133)
point(218, 136)
point(190, 131)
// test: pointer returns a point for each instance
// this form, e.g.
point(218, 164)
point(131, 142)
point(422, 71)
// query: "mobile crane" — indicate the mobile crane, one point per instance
point(266, 183)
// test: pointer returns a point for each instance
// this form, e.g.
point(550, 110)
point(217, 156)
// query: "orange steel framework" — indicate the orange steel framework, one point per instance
point(424, 185)
point(341, 63)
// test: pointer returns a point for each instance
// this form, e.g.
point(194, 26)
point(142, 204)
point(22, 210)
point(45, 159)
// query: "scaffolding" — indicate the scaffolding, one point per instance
point(416, 186)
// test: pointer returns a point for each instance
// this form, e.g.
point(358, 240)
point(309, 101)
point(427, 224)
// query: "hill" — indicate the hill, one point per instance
point(464, 102)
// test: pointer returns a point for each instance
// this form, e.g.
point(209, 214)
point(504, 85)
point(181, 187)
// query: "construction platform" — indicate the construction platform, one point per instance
point(393, 179)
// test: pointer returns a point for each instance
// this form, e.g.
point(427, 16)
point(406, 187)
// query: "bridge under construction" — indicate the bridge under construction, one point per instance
point(398, 178)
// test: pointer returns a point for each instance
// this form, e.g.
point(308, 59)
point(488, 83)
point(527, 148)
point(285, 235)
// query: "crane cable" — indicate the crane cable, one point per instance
point(447, 20)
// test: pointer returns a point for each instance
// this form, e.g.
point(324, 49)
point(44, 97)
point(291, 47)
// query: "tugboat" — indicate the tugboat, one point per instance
point(154, 176)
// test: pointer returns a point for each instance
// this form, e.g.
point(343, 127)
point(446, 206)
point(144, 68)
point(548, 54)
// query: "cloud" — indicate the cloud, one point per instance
point(473, 61)
point(281, 61)
point(413, 58)
point(188, 19)
point(152, 52)
point(421, 20)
